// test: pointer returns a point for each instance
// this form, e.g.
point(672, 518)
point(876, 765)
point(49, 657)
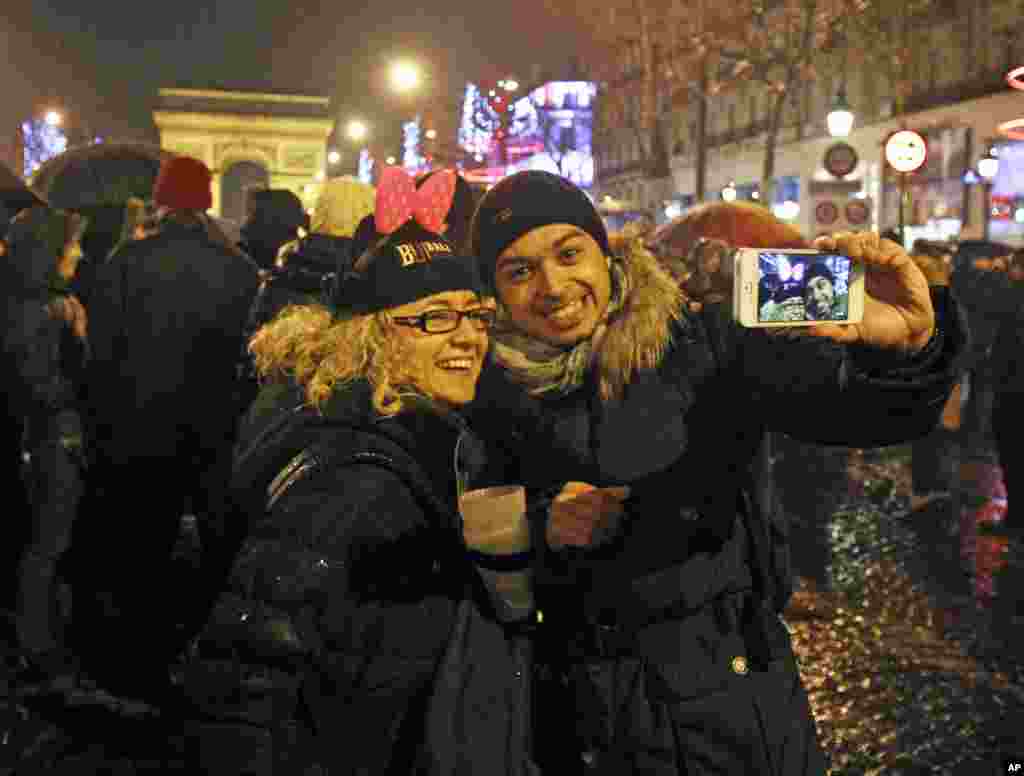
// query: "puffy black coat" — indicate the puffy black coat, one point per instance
point(352, 590)
point(167, 319)
point(668, 635)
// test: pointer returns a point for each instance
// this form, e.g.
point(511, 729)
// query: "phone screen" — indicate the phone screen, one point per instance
point(802, 287)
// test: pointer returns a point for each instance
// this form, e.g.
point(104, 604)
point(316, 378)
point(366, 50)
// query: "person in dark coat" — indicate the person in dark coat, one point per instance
point(303, 266)
point(663, 649)
point(166, 325)
point(987, 299)
point(44, 247)
point(275, 218)
point(353, 595)
point(784, 467)
point(1007, 357)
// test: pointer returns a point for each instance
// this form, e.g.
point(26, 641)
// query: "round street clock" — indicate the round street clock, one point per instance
point(840, 159)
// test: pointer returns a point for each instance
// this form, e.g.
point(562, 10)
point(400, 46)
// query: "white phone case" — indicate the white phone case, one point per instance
point(788, 305)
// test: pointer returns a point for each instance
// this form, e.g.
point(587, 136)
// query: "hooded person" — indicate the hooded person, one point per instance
point(632, 422)
point(275, 218)
point(303, 266)
point(167, 321)
point(350, 466)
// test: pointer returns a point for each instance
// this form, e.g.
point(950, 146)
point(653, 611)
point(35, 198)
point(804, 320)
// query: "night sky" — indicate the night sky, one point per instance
point(103, 60)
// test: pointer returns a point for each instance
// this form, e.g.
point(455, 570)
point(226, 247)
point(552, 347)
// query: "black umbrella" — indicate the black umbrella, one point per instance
point(99, 174)
point(14, 194)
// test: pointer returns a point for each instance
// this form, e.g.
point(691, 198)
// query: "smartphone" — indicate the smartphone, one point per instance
point(776, 287)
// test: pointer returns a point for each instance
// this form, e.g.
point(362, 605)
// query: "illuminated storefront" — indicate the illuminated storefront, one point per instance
point(549, 129)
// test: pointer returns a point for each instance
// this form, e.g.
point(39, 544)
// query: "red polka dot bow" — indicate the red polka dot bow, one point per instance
point(398, 200)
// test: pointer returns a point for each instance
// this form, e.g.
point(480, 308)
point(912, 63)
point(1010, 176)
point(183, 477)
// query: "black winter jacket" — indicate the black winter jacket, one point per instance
point(167, 319)
point(308, 264)
point(350, 588)
point(658, 629)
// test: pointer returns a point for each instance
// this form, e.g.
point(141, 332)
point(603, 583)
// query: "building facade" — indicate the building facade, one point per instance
point(249, 140)
point(958, 97)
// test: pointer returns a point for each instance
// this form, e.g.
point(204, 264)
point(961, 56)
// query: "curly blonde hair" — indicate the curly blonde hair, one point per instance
point(322, 352)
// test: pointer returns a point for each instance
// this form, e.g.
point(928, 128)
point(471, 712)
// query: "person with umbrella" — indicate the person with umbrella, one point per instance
point(98, 181)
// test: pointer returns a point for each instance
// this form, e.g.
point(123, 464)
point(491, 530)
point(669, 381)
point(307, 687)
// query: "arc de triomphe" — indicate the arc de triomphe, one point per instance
point(248, 139)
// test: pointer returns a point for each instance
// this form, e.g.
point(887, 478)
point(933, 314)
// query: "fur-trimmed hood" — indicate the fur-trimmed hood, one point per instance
point(640, 332)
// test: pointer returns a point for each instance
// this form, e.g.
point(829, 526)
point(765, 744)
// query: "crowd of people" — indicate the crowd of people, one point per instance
point(321, 394)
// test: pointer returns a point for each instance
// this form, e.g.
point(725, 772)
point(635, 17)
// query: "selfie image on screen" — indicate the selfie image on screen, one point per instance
point(802, 288)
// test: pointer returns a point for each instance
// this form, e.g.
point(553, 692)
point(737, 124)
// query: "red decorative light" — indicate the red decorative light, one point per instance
point(1013, 129)
point(1015, 78)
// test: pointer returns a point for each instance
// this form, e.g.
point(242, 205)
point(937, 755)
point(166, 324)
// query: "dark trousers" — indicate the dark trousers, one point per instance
point(135, 606)
point(16, 510)
point(55, 488)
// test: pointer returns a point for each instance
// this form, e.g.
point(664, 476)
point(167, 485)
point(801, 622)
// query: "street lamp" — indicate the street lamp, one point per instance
point(405, 76)
point(356, 131)
point(987, 168)
point(431, 134)
point(840, 118)
point(729, 192)
point(333, 156)
point(53, 118)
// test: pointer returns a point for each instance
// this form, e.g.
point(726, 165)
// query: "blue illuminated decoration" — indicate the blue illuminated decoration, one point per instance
point(365, 173)
point(550, 129)
point(42, 141)
point(412, 134)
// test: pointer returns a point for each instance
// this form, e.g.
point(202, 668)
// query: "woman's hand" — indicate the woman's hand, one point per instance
point(583, 515)
point(898, 312)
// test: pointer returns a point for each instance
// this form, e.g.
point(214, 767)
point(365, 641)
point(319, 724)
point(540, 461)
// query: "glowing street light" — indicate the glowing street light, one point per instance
point(509, 85)
point(729, 192)
point(390, 160)
point(333, 156)
point(431, 134)
point(319, 177)
point(405, 76)
point(840, 118)
point(987, 168)
point(357, 130)
point(53, 118)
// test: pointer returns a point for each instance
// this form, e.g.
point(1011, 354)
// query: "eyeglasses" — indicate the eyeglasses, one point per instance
point(444, 321)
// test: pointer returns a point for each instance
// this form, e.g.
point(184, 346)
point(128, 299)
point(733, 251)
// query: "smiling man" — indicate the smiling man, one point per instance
point(632, 423)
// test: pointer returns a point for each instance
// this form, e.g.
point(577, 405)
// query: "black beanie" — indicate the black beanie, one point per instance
point(820, 269)
point(409, 264)
point(525, 201)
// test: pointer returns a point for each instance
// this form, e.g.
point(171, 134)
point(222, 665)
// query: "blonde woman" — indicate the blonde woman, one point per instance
point(354, 574)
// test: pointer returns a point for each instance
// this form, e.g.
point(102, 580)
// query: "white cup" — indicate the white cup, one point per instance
point(495, 528)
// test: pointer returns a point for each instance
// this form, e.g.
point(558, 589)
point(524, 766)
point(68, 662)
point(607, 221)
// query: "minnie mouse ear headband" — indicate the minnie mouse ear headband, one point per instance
point(411, 260)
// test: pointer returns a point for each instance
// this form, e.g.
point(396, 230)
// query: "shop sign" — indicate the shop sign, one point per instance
point(906, 150)
point(826, 212)
point(857, 212)
point(840, 159)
